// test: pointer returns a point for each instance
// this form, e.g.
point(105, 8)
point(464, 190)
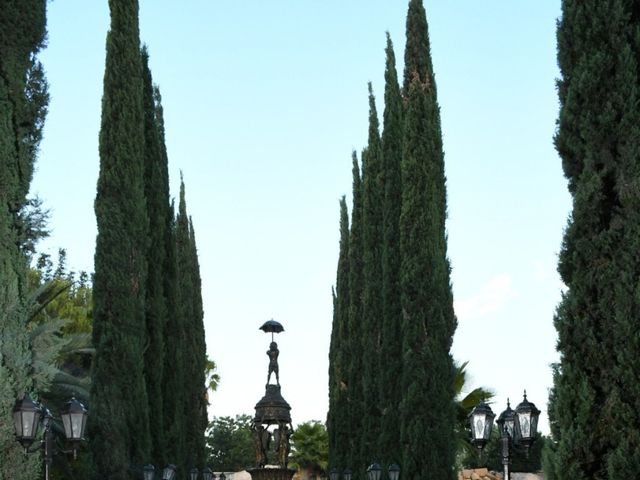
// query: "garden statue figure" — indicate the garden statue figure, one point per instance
point(273, 353)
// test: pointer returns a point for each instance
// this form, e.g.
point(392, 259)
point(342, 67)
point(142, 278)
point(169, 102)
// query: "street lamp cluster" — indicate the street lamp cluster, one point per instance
point(28, 416)
point(517, 428)
point(374, 472)
point(169, 473)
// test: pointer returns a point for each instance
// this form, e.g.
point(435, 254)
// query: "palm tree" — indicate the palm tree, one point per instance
point(464, 405)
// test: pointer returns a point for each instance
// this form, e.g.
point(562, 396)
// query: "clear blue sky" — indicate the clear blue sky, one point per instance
point(264, 102)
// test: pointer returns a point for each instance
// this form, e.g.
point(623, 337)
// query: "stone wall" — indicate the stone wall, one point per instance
point(484, 474)
point(479, 474)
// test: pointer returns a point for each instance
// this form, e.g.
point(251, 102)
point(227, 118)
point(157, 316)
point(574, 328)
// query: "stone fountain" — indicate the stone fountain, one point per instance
point(271, 425)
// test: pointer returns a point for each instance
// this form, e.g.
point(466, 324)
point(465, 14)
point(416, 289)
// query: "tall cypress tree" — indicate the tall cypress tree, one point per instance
point(197, 401)
point(372, 202)
point(182, 338)
point(428, 320)
point(596, 392)
point(119, 427)
point(356, 333)
point(339, 356)
point(156, 187)
point(391, 349)
point(174, 354)
point(23, 105)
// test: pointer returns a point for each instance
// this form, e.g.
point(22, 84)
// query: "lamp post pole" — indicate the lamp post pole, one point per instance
point(48, 447)
point(505, 440)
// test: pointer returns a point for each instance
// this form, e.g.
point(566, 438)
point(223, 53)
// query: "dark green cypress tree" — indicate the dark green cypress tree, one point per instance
point(356, 333)
point(428, 320)
point(339, 356)
point(173, 350)
point(183, 340)
point(174, 354)
point(23, 106)
point(391, 349)
point(156, 183)
point(119, 427)
point(372, 203)
point(596, 398)
point(197, 402)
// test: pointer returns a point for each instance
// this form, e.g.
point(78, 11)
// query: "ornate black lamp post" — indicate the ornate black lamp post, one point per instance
point(517, 428)
point(148, 472)
point(207, 474)
point(394, 471)
point(334, 474)
point(481, 418)
point(27, 417)
point(526, 424)
point(168, 473)
point(193, 474)
point(374, 472)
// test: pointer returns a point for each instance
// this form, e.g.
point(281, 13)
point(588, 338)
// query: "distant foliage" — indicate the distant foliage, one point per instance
point(230, 443)
point(310, 447)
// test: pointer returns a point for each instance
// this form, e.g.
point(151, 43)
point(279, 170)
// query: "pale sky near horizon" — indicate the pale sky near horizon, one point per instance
point(264, 102)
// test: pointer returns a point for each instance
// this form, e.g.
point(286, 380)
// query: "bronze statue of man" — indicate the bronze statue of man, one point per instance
point(273, 353)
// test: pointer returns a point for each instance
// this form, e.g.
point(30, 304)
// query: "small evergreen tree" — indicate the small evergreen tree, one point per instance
point(119, 428)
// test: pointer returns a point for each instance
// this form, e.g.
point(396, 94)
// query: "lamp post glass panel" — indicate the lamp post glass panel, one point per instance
point(193, 474)
point(347, 474)
point(148, 472)
point(374, 471)
point(526, 424)
point(207, 474)
point(169, 472)
point(394, 471)
point(507, 419)
point(74, 419)
point(334, 474)
point(26, 419)
point(481, 423)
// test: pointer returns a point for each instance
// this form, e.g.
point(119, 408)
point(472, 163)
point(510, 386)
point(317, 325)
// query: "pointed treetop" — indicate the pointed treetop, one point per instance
point(417, 55)
point(390, 62)
point(182, 204)
point(374, 125)
point(356, 171)
point(344, 211)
